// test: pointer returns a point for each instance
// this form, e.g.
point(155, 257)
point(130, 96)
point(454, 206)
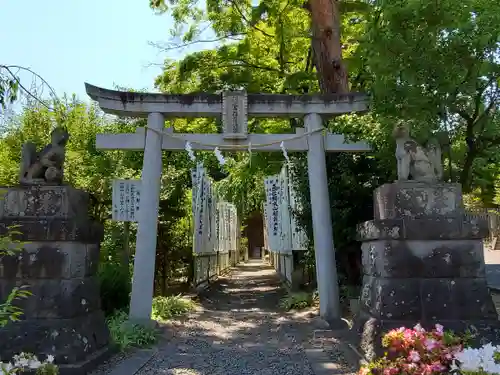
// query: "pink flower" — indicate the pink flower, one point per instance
point(431, 344)
point(427, 370)
point(439, 328)
point(414, 356)
point(411, 366)
point(409, 336)
point(364, 371)
point(438, 367)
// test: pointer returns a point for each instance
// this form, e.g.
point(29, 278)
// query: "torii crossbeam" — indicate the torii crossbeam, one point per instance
point(234, 107)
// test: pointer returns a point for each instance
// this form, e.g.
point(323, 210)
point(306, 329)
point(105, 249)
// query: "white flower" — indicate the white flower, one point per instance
point(34, 364)
point(23, 361)
point(481, 359)
point(6, 367)
point(419, 328)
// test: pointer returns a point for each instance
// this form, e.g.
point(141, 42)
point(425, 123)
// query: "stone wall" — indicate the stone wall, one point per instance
point(58, 264)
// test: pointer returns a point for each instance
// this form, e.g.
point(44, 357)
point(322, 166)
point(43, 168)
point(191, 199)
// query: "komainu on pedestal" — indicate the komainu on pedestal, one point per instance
point(58, 265)
point(423, 259)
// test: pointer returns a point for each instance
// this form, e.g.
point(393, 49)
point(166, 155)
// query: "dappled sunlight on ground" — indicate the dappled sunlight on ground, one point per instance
point(238, 328)
point(253, 289)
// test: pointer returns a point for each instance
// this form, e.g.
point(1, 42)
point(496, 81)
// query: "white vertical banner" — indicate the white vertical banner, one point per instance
point(198, 199)
point(283, 232)
point(126, 200)
point(226, 227)
point(272, 188)
point(299, 236)
point(206, 220)
point(234, 227)
point(285, 227)
point(219, 226)
point(214, 220)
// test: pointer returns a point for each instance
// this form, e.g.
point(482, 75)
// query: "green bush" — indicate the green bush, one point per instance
point(115, 286)
point(165, 308)
point(299, 300)
point(126, 334)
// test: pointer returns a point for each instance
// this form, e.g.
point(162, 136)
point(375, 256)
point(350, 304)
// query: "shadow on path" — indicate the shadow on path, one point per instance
point(239, 329)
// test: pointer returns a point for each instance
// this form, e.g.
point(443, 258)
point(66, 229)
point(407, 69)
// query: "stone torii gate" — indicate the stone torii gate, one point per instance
point(234, 107)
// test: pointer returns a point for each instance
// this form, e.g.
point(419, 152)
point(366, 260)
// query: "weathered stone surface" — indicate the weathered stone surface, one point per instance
point(51, 260)
point(427, 299)
point(58, 265)
point(80, 230)
point(457, 299)
point(424, 259)
point(391, 298)
point(69, 340)
point(425, 228)
point(52, 298)
point(417, 199)
point(64, 202)
point(423, 262)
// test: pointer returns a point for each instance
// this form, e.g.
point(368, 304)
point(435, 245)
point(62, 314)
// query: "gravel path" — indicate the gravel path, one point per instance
point(238, 330)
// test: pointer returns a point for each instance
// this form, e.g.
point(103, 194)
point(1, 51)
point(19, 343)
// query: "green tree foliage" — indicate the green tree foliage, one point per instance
point(431, 64)
point(436, 65)
point(93, 171)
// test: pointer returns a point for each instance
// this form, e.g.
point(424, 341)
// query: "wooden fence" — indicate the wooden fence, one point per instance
point(492, 217)
point(207, 266)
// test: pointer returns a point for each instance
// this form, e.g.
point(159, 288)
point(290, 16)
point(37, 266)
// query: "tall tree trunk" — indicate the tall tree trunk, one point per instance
point(466, 173)
point(470, 156)
point(327, 48)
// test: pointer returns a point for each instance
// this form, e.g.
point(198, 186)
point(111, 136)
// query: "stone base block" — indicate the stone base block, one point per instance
point(63, 202)
point(89, 364)
point(367, 332)
point(55, 299)
point(43, 260)
point(417, 199)
point(70, 341)
point(83, 367)
point(423, 259)
point(427, 299)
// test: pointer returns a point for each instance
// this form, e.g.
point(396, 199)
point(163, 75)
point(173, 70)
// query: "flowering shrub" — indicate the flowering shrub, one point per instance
point(28, 362)
point(420, 352)
point(416, 351)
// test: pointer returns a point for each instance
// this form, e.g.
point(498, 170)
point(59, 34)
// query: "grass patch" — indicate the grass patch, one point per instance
point(165, 308)
point(126, 334)
point(297, 301)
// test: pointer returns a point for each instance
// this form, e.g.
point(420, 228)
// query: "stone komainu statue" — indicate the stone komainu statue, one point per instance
point(422, 164)
point(46, 166)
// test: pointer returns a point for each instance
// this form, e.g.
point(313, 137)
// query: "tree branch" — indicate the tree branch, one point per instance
point(22, 87)
point(250, 24)
point(250, 65)
point(173, 46)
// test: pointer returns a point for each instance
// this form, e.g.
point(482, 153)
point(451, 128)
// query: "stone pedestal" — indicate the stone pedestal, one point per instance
point(423, 263)
point(58, 264)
